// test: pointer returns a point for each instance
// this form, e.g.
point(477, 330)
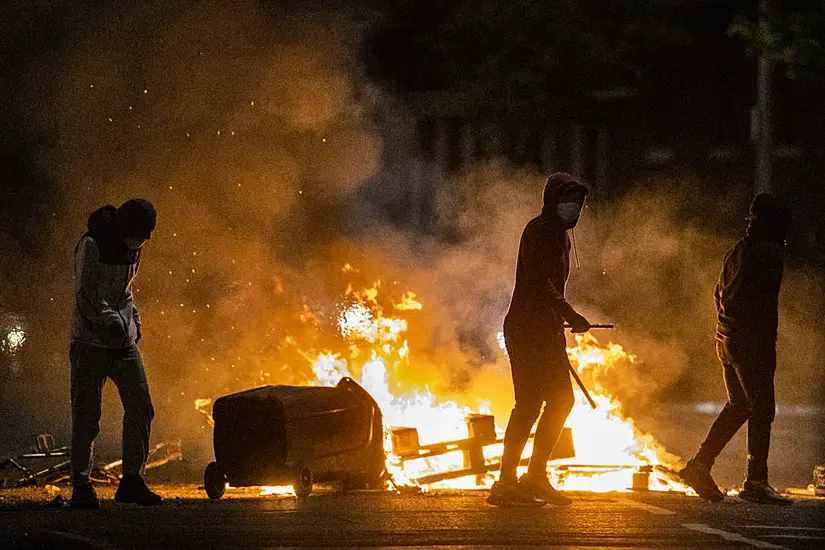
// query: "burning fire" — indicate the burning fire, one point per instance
point(611, 453)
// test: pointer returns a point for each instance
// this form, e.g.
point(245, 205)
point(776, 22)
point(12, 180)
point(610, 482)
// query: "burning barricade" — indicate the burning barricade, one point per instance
point(438, 443)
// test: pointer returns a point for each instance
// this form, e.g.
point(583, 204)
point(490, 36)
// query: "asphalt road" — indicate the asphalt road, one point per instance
point(443, 519)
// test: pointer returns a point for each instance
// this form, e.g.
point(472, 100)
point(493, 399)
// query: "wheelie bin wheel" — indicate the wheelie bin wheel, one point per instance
point(303, 485)
point(214, 481)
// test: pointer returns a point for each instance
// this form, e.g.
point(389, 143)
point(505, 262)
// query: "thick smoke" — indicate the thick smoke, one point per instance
point(252, 131)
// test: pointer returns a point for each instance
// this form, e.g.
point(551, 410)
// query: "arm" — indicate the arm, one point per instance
point(135, 312)
point(558, 302)
point(539, 260)
point(96, 311)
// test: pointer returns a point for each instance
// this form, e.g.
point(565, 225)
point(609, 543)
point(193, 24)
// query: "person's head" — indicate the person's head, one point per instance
point(564, 197)
point(136, 219)
point(769, 219)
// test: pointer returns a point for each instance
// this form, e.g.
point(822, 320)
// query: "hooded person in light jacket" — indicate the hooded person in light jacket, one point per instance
point(535, 341)
point(104, 344)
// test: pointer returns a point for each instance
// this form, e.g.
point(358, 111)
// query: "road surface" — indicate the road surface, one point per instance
point(437, 519)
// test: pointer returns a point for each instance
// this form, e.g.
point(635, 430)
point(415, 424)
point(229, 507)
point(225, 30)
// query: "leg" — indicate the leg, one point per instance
point(527, 408)
point(757, 376)
point(558, 405)
point(129, 376)
point(732, 417)
point(89, 366)
point(524, 415)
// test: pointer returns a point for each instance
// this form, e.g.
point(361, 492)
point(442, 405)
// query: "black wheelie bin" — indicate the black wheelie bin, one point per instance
point(297, 435)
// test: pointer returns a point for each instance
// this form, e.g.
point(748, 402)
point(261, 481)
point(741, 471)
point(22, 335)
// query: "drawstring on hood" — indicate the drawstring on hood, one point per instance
point(558, 185)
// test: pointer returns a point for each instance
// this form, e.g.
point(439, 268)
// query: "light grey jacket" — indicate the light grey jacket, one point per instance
point(105, 312)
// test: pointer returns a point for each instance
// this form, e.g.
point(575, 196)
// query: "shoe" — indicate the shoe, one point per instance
point(541, 489)
point(760, 492)
point(84, 498)
point(509, 494)
point(133, 490)
point(698, 478)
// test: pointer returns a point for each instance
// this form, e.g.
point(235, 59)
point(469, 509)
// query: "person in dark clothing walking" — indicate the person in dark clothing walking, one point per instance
point(535, 341)
point(747, 304)
point(105, 334)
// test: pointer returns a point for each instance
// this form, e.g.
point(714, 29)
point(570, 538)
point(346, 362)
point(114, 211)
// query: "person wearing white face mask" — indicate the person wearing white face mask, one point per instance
point(534, 336)
point(105, 334)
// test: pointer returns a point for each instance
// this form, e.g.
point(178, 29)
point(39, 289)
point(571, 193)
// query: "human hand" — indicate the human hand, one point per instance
point(578, 323)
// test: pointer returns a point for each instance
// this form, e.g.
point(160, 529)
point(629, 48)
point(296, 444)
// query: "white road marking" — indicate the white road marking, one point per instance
point(781, 527)
point(733, 537)
point(796, 537)
point(650, 508)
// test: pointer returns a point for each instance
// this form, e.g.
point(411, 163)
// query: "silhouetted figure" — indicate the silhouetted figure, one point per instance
point(105, 334)
point(534, 336)
point(747, 301)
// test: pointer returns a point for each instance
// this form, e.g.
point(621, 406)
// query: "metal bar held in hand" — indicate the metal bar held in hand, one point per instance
point(576, 375)
point(581, 385)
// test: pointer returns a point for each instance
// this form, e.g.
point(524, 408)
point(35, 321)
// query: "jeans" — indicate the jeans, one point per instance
point(91, 366)
point(541, 377)
point(748, 370)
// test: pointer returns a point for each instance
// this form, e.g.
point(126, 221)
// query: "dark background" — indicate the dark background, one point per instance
point(281, 139)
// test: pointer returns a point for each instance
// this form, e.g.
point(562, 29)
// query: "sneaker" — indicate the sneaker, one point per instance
point(541, 489)
point(84, 498)
point(760, 492)
point(133, 490)
point(698, 478)
point(509, 494)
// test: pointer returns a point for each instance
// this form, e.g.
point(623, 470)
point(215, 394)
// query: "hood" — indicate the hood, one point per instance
point(137, 218)
point(770, 218)
point(102, 223)
point(104, 228)
point(558, 184)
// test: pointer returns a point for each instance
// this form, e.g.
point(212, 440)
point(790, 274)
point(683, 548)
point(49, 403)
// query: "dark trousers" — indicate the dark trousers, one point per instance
point(540, 379)
point(748, 370)
point(90, 367)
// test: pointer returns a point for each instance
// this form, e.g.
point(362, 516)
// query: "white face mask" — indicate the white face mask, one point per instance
point(568, 211)
point(134, 243)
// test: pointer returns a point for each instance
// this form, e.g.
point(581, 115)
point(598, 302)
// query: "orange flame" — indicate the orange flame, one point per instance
point(609, 448)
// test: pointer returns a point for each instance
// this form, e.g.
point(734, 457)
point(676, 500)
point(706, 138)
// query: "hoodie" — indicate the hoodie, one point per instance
point(105, 314)
point(747, 294)
point(538, 305)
